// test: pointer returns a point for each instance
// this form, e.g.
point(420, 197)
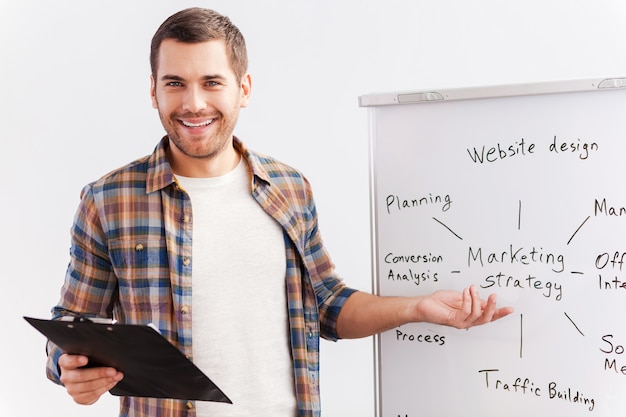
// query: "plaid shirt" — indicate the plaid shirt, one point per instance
point(131, 259)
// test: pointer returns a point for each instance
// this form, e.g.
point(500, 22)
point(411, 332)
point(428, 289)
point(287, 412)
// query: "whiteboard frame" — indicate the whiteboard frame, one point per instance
point(510, 90)
point(439, 95)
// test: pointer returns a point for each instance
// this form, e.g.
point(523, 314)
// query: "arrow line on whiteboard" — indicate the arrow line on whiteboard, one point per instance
point(521, 336)
point(572, 321)
point(579, 227)
point(447, 228)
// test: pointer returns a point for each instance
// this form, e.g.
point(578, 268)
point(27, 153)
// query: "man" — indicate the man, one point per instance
point(204, 215)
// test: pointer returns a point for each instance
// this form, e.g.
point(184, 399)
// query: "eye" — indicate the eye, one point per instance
point(173, 84)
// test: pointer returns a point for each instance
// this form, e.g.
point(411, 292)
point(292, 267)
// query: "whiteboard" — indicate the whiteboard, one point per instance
point(520, 190)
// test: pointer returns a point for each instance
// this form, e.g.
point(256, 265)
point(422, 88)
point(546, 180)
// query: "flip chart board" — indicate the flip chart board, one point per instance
point(520, 190)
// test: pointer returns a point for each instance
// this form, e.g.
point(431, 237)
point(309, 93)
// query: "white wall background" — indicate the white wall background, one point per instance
point(74, 104)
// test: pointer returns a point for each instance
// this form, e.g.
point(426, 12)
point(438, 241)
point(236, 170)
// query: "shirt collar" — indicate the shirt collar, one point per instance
point(160, 173)
point(257, 169)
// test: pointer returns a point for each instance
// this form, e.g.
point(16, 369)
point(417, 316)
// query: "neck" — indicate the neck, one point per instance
point(216, 165)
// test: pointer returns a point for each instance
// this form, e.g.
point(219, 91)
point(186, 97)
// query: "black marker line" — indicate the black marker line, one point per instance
point(577, 273)
point(579, 227)
point(519, 215)
point(447, 228)
point(521, 336)
point(573, 323)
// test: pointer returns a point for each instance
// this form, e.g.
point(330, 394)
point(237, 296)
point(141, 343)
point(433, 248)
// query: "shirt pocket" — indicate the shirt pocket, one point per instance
point(141, 267)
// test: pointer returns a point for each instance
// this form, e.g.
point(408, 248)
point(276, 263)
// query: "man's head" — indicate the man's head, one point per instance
point(199, 83)
point(196, 25)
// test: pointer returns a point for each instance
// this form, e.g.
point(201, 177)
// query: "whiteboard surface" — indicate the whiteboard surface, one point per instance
point(524, 197)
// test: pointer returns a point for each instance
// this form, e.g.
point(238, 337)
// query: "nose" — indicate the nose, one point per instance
point(194, 100)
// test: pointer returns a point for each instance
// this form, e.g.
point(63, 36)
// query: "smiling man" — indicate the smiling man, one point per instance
point(205, 216)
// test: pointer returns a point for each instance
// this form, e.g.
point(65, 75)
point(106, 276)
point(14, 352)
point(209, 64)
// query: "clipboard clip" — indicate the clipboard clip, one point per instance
point(75, 317)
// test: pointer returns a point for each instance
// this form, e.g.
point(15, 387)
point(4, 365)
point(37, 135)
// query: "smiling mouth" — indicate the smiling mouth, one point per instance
point(200, 124)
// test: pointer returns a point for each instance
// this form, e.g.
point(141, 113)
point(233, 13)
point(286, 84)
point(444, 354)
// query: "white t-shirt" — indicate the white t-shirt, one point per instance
point(239, 304)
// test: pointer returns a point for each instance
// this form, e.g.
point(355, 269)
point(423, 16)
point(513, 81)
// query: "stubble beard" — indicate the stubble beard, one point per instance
point(212, 146)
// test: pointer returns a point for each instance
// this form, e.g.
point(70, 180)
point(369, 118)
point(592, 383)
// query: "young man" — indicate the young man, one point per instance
point(204, 215)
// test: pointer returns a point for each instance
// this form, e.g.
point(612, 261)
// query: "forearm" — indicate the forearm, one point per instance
point(365, 314)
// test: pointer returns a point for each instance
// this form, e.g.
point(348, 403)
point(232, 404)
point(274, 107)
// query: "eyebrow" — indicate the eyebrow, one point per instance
point(171, 77)
point(179, 78)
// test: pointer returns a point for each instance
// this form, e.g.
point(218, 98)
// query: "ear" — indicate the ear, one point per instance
point(246, 89)
point(153, 93)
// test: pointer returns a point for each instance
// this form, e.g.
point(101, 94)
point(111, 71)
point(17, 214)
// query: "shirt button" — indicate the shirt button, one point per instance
point(138, 247)
point(186, 218)
point(189, 405)
point(186, 261)
point(184, 309)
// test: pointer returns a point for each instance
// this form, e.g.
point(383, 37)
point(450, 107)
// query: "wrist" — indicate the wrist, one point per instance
point(412, 311)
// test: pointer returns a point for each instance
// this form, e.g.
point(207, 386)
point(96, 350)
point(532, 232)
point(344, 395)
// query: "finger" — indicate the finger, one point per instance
point(89, 396)
point(489, 310)
point(481, 311)
point(477, 305)
point(67, 361)
point(502, 312)
point(466, 304)
point(88, 376)
point(87, 385)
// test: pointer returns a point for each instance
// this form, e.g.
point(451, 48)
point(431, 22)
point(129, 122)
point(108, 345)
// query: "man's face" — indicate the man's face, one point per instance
point(198, 97)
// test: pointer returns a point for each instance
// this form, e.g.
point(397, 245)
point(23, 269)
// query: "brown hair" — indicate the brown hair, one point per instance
point(200, 25)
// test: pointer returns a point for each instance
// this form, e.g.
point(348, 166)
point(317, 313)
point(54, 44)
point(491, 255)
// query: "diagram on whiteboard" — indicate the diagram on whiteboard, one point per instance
point(520, 196)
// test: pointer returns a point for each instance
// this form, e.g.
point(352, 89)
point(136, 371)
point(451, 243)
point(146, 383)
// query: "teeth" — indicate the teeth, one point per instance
point(188, 124)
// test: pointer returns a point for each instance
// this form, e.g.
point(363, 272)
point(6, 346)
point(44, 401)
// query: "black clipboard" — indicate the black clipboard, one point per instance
point(152, 366)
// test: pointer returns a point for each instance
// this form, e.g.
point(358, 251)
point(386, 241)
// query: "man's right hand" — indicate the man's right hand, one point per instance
point(86, 385)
